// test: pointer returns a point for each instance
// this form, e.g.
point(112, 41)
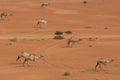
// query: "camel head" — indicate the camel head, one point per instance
point(40, 56)
point(37, 57)
point(9, 14)
point(112, 60)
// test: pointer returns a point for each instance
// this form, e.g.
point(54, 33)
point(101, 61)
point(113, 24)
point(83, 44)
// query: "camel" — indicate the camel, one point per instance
point(104, 62)
point(28, 57)
point(72, 40)
point(41, 22)
point(44, 4)
point(4, 14)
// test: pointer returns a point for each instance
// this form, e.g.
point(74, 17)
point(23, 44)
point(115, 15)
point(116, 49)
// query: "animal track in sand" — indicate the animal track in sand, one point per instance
point(63, 11)
point(106, 16)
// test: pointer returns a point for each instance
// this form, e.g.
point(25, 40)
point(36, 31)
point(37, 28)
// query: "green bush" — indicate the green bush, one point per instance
point(13, 39)
point(68, 32)
point(59, 37)
point(85, 2)
point(90, 46)
point(58, 33)
point(67, 73)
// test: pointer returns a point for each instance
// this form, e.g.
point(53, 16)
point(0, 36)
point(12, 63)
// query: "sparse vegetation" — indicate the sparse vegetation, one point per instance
point(59, 37)
point(85, 2)
point(90, 46)
point(67, 73)
point(68, 32)
point(105, 28)
point(58, 33)
point(13, 39)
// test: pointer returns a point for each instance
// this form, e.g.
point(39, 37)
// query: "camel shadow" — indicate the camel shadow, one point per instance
point(24, 66)
point(20, 64)
point(66, 47)
point(97, 71)
point(14, 63)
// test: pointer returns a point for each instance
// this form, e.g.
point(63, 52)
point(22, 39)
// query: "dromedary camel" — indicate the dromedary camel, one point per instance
point(104, 62)
point(5, 14)
point(28, 57)
point(44, 4)
point(41, 22)
point(72, 40)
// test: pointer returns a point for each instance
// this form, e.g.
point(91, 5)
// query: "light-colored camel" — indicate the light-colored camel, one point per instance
point(28, 57)
point(73, 41)
point(41, 22)
point(104, 62)
point(44, 4)
point(5, 14)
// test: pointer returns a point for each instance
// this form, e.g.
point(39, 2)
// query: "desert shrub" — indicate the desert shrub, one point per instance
point(59, 37)
point(105, 28)
point(68, 32)
point(90, 46)
point(67, 73)
point(13, 39)
point(58, 33)
point(85, 2)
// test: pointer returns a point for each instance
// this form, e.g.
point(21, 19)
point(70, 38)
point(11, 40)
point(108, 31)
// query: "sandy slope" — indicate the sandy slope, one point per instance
point(90, 20)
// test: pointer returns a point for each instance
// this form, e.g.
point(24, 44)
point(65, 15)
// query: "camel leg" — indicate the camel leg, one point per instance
point(100, 67)
point(42, 5)
point(34, 59)
point(6, 16)
point(72, 45)
point(40, 26)
point(68, 43)
point(96, 66)
point(25, 62)
point(18, 58)
point(1, 17)
point(37, 24)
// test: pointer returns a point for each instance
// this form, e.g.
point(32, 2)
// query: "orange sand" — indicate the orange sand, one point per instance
point(84, 20)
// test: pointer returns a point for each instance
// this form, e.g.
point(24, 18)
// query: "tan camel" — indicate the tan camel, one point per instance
point(73, 41)
point(28, 57)
point(104, 62)
point(5, 14)
point(44, 4)
point(41, 22)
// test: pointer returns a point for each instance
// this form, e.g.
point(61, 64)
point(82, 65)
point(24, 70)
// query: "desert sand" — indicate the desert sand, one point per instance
point(96, 19)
